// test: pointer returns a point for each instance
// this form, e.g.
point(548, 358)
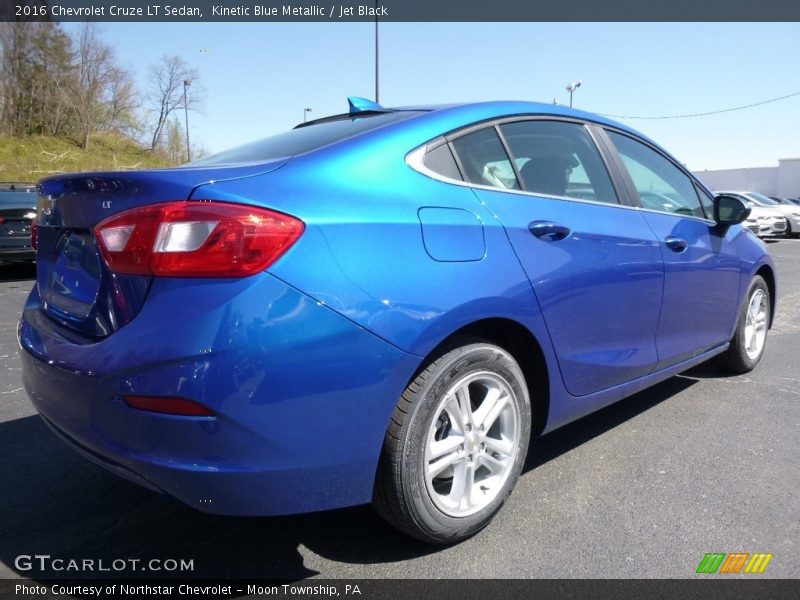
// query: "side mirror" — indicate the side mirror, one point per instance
point(729, 210)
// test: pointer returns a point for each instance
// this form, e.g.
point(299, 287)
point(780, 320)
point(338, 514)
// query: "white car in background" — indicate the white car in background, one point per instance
point(761, 227)
point(782, 220)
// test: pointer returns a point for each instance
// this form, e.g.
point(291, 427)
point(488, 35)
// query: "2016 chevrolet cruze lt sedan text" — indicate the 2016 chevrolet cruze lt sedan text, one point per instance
point(382, 306)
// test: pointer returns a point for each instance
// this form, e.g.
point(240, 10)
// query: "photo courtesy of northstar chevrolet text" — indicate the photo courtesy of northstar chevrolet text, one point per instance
point(351, 292)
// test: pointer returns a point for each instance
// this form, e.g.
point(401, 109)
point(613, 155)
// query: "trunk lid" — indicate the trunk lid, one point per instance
point(76, 287)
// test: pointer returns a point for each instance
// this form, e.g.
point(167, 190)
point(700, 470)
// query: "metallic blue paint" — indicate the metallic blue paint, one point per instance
point(295, 388)
point(699, 281)
point(303, 364)
point(599, 289)
point(452, 234)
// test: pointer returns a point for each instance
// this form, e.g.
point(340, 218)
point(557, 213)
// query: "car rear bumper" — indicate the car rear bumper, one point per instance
point(302, 396)
point(19, 253)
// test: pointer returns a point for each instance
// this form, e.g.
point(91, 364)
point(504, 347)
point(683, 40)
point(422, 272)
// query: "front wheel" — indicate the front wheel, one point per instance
point(456, 444)
point(750, 337)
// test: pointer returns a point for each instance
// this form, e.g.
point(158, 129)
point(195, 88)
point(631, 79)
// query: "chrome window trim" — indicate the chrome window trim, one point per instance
point(414, 159)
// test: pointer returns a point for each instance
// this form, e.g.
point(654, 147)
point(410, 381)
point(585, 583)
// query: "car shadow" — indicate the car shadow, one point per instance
point(56, 503)
point(552, 445)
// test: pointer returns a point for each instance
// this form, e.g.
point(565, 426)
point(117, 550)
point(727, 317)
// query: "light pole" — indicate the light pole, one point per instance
point(305, 114)
point(571, 87)
point(186, 84)
point(377, 95)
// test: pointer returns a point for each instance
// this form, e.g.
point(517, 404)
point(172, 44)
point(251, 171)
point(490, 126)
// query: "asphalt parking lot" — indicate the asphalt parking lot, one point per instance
point(701, 463)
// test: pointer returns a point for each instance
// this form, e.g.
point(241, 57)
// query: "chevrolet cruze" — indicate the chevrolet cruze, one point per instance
point(381, 306)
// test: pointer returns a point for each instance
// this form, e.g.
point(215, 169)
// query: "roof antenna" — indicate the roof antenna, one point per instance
point(358, 105)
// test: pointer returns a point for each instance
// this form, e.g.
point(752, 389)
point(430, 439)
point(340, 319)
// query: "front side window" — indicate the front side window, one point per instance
point(557, 158)
point(662, 186)
point(706, 200)
point(484, 160)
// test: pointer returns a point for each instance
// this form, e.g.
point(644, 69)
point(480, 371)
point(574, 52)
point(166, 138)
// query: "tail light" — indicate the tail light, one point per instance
point(196, 239)
point(34, 233)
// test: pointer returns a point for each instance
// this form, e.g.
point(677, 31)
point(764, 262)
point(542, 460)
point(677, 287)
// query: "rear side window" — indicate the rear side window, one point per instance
point(440, 160)
point(661, 185)
point(305, 139)
point(556, 158)
point(484, 160)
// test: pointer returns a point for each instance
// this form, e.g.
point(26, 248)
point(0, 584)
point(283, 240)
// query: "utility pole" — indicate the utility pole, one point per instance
point(377, 92)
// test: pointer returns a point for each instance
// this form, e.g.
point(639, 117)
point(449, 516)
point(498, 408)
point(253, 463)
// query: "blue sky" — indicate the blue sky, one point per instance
point(260, 76)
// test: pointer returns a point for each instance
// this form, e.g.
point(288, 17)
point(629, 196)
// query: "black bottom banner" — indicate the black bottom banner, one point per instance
point(438, 589)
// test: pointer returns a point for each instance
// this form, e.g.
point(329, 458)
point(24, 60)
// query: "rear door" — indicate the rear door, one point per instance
point(594, 264)
point(701, 280)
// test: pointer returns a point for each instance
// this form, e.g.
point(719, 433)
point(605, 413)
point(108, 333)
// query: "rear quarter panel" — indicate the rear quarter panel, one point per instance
point(363, 252)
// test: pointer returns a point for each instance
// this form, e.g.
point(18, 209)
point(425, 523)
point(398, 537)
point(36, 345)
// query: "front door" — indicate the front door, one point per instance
point(701, 264)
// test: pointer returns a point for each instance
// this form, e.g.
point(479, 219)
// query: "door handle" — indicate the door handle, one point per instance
point(549, 231)
point(676, 244)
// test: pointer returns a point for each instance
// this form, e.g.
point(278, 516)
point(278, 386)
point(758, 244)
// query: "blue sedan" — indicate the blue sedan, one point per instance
point(381, 306)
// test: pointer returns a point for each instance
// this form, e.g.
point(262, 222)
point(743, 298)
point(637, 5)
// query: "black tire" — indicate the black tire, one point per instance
point(736, 359)
point(402, 496)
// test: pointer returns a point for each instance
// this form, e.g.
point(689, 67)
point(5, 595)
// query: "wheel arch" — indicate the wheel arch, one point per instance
point(769, 277)
point(517, 340)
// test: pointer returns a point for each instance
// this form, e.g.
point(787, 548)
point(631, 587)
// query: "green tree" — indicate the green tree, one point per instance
point(34, 58)
point(101, 92)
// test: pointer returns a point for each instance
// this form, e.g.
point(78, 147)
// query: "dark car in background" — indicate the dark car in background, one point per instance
point(17, 211)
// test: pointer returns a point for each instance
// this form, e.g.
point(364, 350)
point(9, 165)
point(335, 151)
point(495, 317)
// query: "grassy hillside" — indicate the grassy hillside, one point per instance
point(29, 159)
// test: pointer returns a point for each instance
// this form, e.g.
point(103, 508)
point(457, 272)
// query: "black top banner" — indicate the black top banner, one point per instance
point(398, 10)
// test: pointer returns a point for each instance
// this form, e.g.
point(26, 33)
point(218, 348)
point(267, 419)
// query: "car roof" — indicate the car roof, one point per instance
point(461, 115)
point(434, 120)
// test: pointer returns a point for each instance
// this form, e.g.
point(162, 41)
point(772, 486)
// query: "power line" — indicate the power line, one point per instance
point(704, 114)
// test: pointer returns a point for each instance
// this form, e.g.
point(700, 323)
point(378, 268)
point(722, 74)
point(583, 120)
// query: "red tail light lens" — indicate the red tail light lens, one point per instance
point(196, 239)
point(169, 406)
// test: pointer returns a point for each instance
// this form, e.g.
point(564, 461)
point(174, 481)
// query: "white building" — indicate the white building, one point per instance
point(782, 181)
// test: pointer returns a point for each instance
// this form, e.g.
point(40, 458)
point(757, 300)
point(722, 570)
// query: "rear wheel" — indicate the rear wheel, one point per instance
point(747, 345)
point(456, 444)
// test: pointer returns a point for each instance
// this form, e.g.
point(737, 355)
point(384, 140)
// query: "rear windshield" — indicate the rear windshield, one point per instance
point(304, 139)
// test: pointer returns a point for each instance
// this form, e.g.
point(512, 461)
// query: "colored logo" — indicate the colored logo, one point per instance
point(732, 563)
